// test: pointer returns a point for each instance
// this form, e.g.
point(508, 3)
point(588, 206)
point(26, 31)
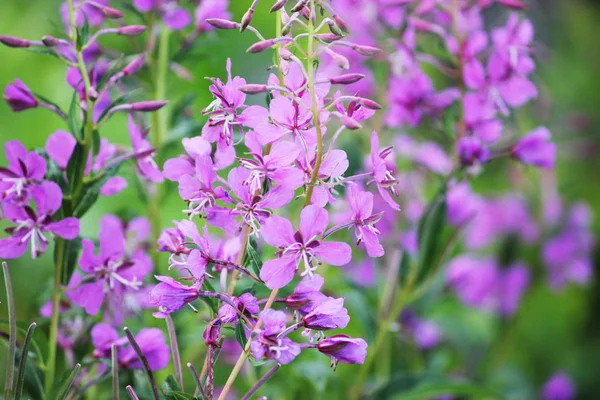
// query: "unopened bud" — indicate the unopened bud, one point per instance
point(246, 19)
point(425, 26)
point(220, 23)
point(15, 42)
point(366, 50)
point(514, 4)
point(299, 6)
point(350, 123)
point(93, 94)
point(335, 29)
point(107, 11)
point(346, 79)
point(253, 88)
point(367, 103)
point(278, 6)
point(285, 54)
point(131, 30)
point(50, 41)
point(327, 37)
point(305, 12)
point(135, 65)
point(147, 106)
point(261, 46)
point(340, 22)
point(340, 60)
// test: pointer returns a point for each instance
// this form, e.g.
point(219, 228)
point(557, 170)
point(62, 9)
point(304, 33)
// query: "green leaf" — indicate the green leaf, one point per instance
point(240, 335)
point(23, 361)
point(70, 254)
point(430, 232)
point(95, 142)
point(73, 117)
point(39, 343)
point(404, 270)
point(61, 390)
point(457, 389)
point(254, 260)
point(12, 339)
point(172, 391)
point(55, 174)
point(76, 165)
point(42, 50)
point(83, 33)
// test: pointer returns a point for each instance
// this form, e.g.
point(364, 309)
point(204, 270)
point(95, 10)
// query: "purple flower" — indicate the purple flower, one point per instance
point(474, 281)
point(111, 272)
point(307, 294)
point(384, 178)
point(344, 349)
point(558, 387)
point(211, 9)
point(471, 151)
point(364, 221)
point(153, 345)
point(175, 17)
point(103, 337)
point(246, 305)
point(513, 284)
point(195, 147)
point(362, 273)
point(303, 246)
point(94, 15)
point(536, 149)
point(32, 226)
point(268, 345)
point(143, 153)
point(328, 315)
point(170, 295)
point(25, 170)
point(19, 97)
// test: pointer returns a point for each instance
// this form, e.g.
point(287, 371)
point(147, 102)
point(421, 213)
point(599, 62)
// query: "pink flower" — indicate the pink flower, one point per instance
point(170, 295)
point(344, 349)
point(536, 149)
point(364, 221)
point(383, 177)
point(303, 246)
point(19, 97)
point(25, 170)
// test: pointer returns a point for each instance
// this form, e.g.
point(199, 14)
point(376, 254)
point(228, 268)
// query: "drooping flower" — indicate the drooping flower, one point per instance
point(328, 315)
point(536, 149)
point(303, 246)
point(33, 226)
point(344, 349)
point(267, 344)
point(19, 97)
point(246, 305)
point(307, 294)
point(170, 295)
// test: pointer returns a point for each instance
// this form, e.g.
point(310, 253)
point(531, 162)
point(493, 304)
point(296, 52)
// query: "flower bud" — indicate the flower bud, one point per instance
point(261, 46)
point(346, 79)
point(305, 12)
point(299, 5)
point(340, 23)
point(340, 60)
point(212, 331)
point(253, 88)
point(148, 106)
point(50, 41)
point(285, 54)
point(514, 4)
point(220, 23)
point(367, 103)
point(93, 94)
point(107, 11)
point(131, 30)
point(350, 123)
point(278, 6)
point(366, 50)
point(344, 349)
point(19, 97)
point(135, 65)
point(327, 37)
point(246, 19)
point(335, 29)
point(15, 42)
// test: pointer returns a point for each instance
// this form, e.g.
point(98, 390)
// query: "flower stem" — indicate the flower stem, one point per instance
point(12, 340)
point(261, 382)
point(310, 68)
point(56, 295)
point(144, 361)
point(210, 375)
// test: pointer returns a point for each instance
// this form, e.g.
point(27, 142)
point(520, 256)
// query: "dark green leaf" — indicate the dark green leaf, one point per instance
point(210, 301)
point(404, 270)
point(61, 389)
point(432, 390)
point(69, 257)
point(23, 361)
point(430, 232)
point(56, 175)
point(42, 50)
point(95, 142)
point(76, 166)
point(74, 117)
point(240, 334)
point(91, 190)
point(39, 343)
point(83, 33)
point(172, 391)
point(254, 259)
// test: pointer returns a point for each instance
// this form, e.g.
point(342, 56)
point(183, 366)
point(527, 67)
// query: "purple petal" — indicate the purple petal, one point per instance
point(313, 222)
point(334, 253)
point(68, 228)
point(113, 185)
point(278, 232)
point(278, 272)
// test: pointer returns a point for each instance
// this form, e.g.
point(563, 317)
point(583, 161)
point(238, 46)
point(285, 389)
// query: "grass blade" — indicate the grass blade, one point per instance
point(23, 361)
point(115, 371)
point(144, 362)
point(12, 343)
point(66, 387)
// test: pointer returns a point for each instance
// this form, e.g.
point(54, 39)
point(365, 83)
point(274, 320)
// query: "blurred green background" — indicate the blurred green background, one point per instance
point(551, 332)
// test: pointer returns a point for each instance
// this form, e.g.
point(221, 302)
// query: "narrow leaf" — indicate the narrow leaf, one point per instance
point(73, 117)
point(115, 371)
point(254, 260)
point(65, 388)
point(144, 362)
point(12, 344)
point(23, 361)
point(240, 335)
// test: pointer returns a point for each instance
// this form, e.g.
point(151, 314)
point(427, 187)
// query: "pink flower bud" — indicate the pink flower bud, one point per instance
point(147, 106)
point(340, 60)
point(253, 88)
point(346, 79)
point(305, 12)
point(299, 6)
point(50, 41)
point(108, 11)
point(261, 46)
point(12, 41)
point(220, 23)
point(426, 26)
point(340, 23)
point(278, 6)
point(131, 30)
point(514, 4)
point(366, 50)
point(93, 94)
point(19, 97)
point(285, 54)
point(246, 19)
point(370, 104)
point(135, 65)
point(350, 123)
point(335, 29)
point(327, 37)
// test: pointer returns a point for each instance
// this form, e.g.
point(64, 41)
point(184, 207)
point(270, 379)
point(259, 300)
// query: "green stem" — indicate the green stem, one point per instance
point(56, 295)
point(160, 126)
